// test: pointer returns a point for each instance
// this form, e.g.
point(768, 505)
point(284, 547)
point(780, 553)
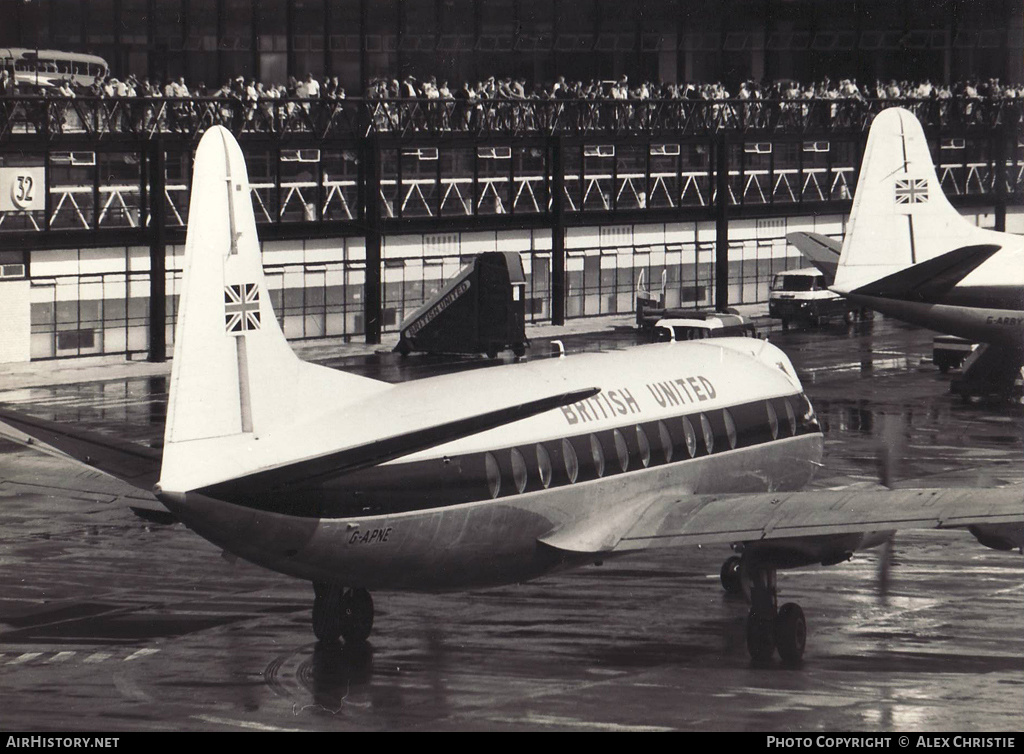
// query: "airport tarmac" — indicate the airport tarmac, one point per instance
point(109, 622)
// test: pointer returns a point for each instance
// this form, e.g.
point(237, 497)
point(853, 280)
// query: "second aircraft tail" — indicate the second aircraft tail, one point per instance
point(900, 216)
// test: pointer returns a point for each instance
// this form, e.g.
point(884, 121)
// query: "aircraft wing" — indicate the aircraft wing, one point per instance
point(128, 461)
point(821, 251)
point(932, 278)
point(141, 466)
point(674, 520)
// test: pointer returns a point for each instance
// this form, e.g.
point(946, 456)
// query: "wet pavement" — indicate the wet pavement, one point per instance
point(110, 622)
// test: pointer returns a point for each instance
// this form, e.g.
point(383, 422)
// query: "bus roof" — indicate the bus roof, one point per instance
point(709, 320)
point(25, 52)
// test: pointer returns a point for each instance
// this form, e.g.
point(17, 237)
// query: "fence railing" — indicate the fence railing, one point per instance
point(143, 118)
point(123, 205)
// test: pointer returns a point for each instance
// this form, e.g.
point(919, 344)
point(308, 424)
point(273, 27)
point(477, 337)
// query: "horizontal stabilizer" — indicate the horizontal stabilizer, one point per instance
point(300, 474)
point(130, 462)
point(821, 251)
point(932, 278)
point(670, 520)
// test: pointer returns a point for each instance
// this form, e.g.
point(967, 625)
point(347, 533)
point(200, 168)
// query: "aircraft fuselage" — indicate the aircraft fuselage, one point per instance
point(470, 513)
point(984, 317)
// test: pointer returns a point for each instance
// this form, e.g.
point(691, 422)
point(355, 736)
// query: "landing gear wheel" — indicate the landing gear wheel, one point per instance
point(790, 633)
point(492, 353)
point(404, 347)
point(356, 615)
point(519, 350)
point(763, 612)
point(326, 611)
point(731, 580)
point(760, 635)
point(785, 324)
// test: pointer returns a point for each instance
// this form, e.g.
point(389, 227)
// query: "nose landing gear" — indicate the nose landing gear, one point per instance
point(340, 612)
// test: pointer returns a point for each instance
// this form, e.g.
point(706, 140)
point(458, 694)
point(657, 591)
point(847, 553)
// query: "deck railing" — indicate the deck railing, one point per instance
point(350, 119)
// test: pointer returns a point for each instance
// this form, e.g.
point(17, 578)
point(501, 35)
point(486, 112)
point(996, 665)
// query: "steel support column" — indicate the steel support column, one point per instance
point(1001, 138)
point(157, 254)
point(556, 176)
point(370, 168)
point(721, 222)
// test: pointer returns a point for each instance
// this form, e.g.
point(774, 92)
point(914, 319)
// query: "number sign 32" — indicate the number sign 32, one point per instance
point(21, 189)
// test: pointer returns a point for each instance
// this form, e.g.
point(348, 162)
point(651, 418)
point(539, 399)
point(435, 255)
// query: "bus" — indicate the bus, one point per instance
point(45, 68)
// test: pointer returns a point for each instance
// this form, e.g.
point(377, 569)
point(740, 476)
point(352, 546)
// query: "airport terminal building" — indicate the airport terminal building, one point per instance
point(459, 40)
point(364, 207)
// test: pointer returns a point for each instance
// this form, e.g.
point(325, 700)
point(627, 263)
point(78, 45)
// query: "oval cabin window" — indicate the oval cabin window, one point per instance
point(518, 470)
point(709, 434)
point(621, 450)
point(544, 466)
point(730, 428)
point(572, 464)
point(645, 446)
point(598, 454)
point(691, 437)
point(666, 441)
point(493, 474)
point(790, 416)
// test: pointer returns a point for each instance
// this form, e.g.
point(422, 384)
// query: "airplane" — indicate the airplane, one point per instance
point(488, 477)
point(909, 254)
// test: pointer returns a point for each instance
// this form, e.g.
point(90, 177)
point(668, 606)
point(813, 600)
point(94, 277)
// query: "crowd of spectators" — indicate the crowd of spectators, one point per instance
point(509, 102)
point(512, 105)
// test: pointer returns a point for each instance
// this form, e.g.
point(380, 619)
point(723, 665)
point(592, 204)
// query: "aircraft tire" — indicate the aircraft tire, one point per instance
point(519, 350)
point(356, 616)
point(760, 636)
point(791, 633)
point(730, 575)
point(327, 612)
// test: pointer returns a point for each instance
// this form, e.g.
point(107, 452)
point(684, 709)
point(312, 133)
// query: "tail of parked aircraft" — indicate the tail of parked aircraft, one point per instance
point(234, 377)
point(900, 216)
point(243, 408)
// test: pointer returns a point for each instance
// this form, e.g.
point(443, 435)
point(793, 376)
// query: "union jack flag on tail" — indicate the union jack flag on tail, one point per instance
point(912, 191)
point(241, 308)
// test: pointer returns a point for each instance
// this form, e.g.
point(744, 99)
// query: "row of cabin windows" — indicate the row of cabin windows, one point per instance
point(639, 457)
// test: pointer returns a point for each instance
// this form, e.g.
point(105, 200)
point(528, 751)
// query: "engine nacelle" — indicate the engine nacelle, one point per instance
point(999, 536)
point(826, 549)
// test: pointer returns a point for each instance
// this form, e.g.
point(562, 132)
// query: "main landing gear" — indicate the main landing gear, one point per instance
point(341, 612)
point(769, 627)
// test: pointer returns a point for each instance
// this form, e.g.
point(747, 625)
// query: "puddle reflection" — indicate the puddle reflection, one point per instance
point(336, 669)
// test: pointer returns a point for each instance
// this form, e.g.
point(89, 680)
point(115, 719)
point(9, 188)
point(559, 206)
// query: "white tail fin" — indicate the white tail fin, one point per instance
point(234, 376)
point(900, 216)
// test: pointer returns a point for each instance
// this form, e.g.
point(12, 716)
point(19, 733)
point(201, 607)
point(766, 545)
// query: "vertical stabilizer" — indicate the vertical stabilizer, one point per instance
point(226, 328)
point(235, 382)
point(900, 216)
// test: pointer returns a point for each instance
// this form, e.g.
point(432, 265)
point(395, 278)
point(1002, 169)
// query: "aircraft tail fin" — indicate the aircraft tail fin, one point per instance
point(234, 374)
point(900, 216)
